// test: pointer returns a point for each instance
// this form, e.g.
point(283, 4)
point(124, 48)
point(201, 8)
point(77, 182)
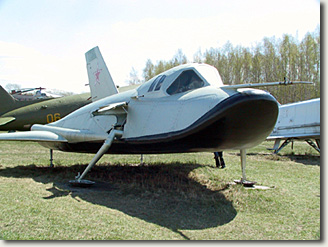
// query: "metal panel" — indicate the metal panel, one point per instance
point(298, 119)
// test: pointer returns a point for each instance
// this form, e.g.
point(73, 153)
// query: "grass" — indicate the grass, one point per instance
point(171, 197)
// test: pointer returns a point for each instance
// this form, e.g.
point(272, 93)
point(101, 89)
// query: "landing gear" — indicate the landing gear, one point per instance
point(79, 182)
point(285, 143)
point(311, 143)
point(51, 158)
point(277, 148)
point(243, 179)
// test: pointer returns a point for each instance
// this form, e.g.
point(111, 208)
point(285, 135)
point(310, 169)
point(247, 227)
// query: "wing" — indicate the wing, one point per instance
point(116, 108)
point(47, 133)
point(5, 120)
point(35, 136)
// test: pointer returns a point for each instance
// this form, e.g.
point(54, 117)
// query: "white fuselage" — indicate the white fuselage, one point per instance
point(185, 109)
point(300, 120)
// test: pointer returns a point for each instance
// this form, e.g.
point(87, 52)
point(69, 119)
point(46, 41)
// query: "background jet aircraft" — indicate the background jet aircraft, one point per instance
point(297, 121)
point(184, 109)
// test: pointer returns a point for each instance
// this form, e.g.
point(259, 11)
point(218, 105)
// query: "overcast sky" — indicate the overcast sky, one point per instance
point(43, 42)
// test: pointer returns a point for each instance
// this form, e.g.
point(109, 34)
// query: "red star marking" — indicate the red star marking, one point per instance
point(97, 73)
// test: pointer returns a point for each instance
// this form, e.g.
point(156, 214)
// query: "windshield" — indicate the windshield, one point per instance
point(187, 80)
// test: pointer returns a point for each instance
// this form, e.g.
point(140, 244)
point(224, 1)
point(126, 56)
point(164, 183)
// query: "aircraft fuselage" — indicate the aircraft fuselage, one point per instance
point(206, 119)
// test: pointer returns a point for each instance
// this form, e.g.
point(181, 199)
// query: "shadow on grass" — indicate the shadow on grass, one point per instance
point(305, 159)
point(163, 194)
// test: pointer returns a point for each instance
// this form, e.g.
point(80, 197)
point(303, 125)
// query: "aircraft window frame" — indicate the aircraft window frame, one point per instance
point(158, 81)
point(152, 85)
point(183, 82)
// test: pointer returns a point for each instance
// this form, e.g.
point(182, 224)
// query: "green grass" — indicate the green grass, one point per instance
point(171, 197)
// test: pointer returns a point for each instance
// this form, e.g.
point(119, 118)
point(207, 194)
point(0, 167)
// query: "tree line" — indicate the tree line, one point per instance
point(270, 60)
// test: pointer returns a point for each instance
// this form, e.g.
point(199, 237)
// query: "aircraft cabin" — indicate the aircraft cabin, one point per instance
point(163, 103)
point(181, 79)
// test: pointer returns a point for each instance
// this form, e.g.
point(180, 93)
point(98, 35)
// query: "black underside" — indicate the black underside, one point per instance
point(241, 121)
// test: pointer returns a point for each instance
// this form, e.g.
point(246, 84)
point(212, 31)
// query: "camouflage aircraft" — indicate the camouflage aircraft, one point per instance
point(21, 115)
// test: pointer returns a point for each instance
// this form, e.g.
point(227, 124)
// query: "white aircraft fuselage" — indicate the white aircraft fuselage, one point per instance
point(297, 121)
point(300, 120)
point(185, 109)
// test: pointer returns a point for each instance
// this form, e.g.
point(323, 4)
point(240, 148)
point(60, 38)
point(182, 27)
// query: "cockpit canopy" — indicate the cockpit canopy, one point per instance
point(188, 80)
point(181, 79)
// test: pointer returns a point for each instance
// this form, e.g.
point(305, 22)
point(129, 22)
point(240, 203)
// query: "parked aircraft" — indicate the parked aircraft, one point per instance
point(22, 118)
point(184, 109)
point(7, 100)
point(21, 115)
point(31, 94)
point(297, 121)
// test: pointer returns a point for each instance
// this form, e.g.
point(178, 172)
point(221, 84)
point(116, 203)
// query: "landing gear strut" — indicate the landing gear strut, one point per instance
point(79, 182)
point(311, 143)
point(290, 140)
point(243, 179)
point(51, 158)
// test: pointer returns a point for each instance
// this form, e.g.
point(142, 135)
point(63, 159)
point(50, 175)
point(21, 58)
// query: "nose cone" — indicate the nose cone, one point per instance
point(241, 121)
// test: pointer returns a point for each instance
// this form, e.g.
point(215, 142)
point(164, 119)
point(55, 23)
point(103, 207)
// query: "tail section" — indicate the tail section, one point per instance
point(100, 81)
point(7, 102)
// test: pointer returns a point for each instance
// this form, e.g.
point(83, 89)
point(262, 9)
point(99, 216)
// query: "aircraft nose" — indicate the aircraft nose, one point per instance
point(242, 120)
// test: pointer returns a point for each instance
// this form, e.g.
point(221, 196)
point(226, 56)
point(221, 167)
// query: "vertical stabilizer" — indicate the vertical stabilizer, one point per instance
point(7, 102)
point(100, 81)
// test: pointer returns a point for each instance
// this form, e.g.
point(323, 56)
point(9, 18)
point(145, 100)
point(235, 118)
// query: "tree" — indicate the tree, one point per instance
point(198, 56)
point(12, 86)
point(160, 67)
point(270, 60)
point(247, 65)
point(179, 58)
point(134, 78)
point(149, 70)
point(257, 75)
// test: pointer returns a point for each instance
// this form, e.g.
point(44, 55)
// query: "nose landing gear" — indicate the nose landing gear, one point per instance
point(243, 179)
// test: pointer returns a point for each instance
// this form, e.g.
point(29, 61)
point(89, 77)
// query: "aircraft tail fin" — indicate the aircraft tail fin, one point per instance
point(7, 102)
point(100, 81)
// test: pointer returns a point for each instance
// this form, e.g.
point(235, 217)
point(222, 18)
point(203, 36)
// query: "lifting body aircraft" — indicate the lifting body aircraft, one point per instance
point(184, 109)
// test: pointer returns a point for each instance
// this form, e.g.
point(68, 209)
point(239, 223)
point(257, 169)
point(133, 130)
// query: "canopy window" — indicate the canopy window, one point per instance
point(159, 81)
point(187, 80)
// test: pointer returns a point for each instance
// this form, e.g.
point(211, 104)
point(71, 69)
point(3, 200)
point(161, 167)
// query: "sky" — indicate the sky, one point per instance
point(43, 42)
